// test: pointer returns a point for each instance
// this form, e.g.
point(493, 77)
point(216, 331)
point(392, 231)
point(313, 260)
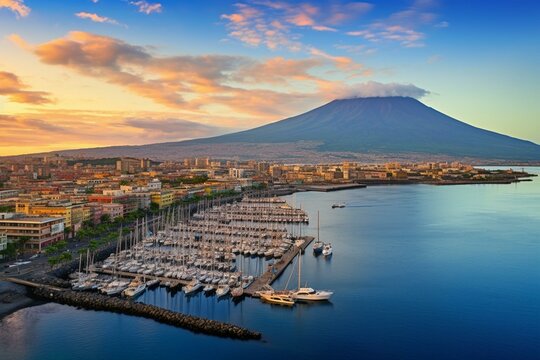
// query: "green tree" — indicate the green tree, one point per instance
point(105, 218)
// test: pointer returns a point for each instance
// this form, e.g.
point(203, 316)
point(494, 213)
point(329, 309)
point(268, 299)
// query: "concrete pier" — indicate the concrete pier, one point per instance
point(272, 274)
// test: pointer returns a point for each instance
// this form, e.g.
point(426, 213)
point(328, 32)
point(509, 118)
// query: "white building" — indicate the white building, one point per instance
point(154, 185)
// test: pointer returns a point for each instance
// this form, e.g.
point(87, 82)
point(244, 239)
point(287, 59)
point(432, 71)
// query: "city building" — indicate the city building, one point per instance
point(113, 210)
point(163, 198)
point(37, 232)
point(132, 166)
point(73, 214)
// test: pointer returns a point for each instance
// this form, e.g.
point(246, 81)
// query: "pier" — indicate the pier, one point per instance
point(274, 273)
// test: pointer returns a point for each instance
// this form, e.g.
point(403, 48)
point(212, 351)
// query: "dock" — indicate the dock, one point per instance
point(274, 273)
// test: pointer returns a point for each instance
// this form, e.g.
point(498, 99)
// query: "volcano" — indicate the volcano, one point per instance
point(386, 127)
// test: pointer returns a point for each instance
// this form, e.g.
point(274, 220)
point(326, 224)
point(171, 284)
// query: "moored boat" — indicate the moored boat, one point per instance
point(327, 249)
point(277, 297)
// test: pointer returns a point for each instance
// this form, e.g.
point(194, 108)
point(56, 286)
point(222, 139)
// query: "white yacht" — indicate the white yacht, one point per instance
point(134, 291)
point(192, 286)
point(327, 249)
point(310, 294)
point(222, 290)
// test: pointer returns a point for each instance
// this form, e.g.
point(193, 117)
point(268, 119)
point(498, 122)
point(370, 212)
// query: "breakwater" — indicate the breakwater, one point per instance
point(93, 301)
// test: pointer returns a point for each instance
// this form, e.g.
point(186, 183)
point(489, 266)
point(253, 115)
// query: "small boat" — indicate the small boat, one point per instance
point(327, 249)
point(222, 290)
point(338, 206)
point(277, 297)
point(192, 286)
point(310, 294)
point(152, 283)
point(133, 291)
point(317, 247)
point(237, 292)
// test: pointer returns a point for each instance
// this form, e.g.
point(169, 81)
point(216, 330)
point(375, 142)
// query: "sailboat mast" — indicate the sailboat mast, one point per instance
point(317, 225)
point(299, 268)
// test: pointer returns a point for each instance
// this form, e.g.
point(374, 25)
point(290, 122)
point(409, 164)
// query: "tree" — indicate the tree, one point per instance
point(10, 251)
point(105, 218)
point(22, 243)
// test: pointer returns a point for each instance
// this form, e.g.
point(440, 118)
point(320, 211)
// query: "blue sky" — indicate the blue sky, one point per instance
point(150, 71)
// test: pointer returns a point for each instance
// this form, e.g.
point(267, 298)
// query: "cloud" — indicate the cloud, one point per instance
point(172, 129)
point(146, 7)
point(96, 18)
point(273, 23)
point(27, 133)
point(14, 89)
point(17, 6)
point(376, 89)
point(197, 83)
point(402, 26)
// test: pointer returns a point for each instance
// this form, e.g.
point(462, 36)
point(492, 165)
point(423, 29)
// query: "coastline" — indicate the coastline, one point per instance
point(14, 297)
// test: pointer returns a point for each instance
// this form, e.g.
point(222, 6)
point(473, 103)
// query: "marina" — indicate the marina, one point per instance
point(204, 251)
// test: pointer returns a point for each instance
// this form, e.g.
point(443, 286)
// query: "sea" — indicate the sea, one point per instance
point(418, 272)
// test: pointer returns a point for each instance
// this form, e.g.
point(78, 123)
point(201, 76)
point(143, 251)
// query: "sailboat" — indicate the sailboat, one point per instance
point(307, 293)
point(317, 245)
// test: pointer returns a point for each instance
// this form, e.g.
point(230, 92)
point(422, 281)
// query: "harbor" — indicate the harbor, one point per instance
point(204, 251)
point(203, 248)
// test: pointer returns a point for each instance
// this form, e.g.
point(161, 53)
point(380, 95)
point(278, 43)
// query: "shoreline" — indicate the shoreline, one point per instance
point(13, 298)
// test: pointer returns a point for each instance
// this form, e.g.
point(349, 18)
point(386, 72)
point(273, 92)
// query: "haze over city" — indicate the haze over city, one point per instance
point(94, 73)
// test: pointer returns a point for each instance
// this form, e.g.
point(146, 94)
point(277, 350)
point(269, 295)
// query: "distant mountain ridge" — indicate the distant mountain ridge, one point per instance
point(385, 125)
point(363, 129)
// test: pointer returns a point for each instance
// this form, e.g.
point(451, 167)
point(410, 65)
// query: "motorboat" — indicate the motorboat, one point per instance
point(134, 291)
point(222, 290)
point(152, 283)
point(327, 249)
point(277, 297)
point(192, 286)
point(237, 292)
point(338, 206)
point(309, 294)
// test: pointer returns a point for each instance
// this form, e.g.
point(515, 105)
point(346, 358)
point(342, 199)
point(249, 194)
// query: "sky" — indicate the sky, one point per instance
point(92, 73)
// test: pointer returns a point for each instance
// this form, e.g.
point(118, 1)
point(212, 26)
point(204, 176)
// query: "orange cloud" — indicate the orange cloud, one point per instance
point(13, 88)
point(17, 6)
point(189, 82)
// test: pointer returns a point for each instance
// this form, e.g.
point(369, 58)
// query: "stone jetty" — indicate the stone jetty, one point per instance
point(93, 301)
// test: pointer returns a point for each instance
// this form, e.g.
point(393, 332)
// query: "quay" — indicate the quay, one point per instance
point(327, 188)
point(277, 269)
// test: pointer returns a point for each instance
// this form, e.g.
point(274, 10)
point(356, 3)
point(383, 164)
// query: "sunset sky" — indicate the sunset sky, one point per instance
point(85, 73)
